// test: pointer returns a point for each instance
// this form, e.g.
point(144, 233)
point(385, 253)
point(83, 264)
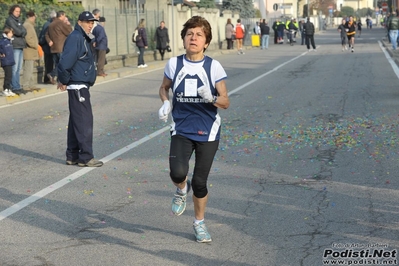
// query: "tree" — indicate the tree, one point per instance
point(206, 4)
point(347, 11)
point(42, 10)
point(244, 7)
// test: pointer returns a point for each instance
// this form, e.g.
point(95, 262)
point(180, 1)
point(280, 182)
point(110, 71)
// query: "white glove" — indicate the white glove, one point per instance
point(164, 111)
point(205, 93)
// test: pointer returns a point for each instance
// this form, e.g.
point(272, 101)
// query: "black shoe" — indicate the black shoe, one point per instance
point(19, 92)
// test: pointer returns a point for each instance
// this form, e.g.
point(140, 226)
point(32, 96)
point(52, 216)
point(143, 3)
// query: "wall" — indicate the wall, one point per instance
point(176, 16)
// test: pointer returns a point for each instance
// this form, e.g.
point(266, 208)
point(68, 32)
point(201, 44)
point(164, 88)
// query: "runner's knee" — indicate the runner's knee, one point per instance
point(199, 188)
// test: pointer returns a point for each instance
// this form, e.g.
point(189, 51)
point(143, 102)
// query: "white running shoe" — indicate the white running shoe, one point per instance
point(8, 93)
point(140, 66)
point(145, 65)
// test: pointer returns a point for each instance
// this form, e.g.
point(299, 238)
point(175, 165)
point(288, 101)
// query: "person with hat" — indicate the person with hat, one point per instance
point(76, 74)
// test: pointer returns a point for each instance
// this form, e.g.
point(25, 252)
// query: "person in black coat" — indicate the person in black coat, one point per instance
point(309, 32)
point(48, 57)
point(274, 27)
point(161, 38)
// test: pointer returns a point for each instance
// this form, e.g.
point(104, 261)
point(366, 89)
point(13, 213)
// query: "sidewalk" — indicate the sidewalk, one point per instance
point(393, 53)
point(48, 89)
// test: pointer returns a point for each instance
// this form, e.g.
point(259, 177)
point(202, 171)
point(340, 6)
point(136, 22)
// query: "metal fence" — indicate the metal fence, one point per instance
point(120, 25)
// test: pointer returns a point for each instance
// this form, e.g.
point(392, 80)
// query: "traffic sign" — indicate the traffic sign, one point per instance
point(275, 7)
point(384, 6)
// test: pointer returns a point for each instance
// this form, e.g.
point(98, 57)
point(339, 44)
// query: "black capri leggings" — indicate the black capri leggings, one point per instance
point(343, 40)
point(181, 149)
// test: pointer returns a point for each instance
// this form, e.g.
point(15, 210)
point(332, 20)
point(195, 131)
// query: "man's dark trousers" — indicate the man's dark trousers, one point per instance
point(80, 127)
point(48, 65)
point(310, 40)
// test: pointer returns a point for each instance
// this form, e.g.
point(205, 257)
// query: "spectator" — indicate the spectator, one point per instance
point(309, 32)
point(76, 57)
point(96, 13)
point(66, 21)
point(393, 26)
point(100, 45)
point(257, 28)
point(240, 33)
point(301, 29)
point(31, 53)
point(229, 31)
point(274, 27)
point(265, 30)
point(280, 31)
point(7, 60)
point(161, 38)
point(141, 43)
point(359, 26)
point(56, 35)
point(48, 58)
point(18, 43)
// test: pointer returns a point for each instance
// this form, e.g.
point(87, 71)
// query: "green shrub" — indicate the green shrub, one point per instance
point(42, 12)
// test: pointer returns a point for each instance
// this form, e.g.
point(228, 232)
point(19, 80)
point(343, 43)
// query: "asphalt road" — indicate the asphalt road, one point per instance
point(307, 167)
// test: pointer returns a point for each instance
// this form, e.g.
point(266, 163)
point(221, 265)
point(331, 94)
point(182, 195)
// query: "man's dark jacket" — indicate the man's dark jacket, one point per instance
point(77, 64)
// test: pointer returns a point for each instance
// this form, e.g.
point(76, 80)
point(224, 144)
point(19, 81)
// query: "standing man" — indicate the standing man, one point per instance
point(56, 35)
point(393, 26)
point(309, 32)
point(30, 52)
point(76, 73)
point(13, 22)
point(101, 45)
point(48, 58)
point(350, 28)
point(264, 30)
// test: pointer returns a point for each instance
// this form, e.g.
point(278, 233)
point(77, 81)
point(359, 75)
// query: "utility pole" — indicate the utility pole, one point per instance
point(137, 12)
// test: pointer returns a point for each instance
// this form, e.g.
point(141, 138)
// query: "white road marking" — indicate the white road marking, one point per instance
point(390, 60)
